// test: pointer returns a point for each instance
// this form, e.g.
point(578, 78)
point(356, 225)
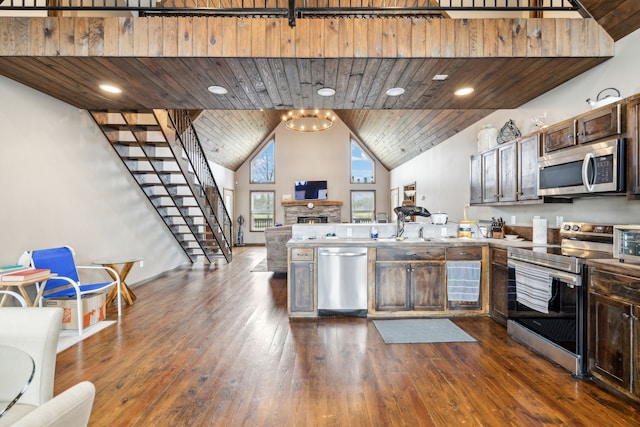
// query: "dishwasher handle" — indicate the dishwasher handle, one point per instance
point(341, 254)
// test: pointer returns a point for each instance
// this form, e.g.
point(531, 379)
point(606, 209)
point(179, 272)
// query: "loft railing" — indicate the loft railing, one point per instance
point(181, 122)
point(292, 9)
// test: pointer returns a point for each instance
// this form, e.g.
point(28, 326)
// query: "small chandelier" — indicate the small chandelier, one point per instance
point(308, 121)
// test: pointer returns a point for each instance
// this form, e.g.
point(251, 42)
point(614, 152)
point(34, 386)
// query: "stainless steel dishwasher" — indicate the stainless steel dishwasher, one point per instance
point(342, 281)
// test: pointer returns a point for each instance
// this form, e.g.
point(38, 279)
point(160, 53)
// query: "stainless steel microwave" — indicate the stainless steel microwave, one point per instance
point(595, 168)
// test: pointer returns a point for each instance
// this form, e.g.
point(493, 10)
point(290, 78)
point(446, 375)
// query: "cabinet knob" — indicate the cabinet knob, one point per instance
point(625, 316)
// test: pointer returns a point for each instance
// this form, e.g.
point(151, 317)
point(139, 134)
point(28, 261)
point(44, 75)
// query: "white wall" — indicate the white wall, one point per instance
point(62, 184)
point(442, 173)
point(300, 156)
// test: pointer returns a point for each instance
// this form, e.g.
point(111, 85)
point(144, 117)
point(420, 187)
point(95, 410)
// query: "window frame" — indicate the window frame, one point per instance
point(367, 155)
point(271, 142)
point(252, 213)
point(353, 212)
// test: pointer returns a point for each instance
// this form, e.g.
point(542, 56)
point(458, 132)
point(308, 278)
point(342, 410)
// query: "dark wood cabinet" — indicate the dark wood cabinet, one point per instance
point(633, 150)
point(427, 286)
point(614, 349)
point(559, 136)
point(490, 190)
point(601, 123)
point(393, 286)
point(528, 153)
point(507, 172)
point(499, 280)
point(301, 278)
point(475, 174)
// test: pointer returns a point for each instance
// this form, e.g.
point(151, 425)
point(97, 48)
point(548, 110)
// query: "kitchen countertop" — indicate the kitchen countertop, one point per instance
point(446, 242)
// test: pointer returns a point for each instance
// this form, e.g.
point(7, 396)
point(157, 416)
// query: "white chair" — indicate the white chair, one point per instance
point(34, 330)
point(16, 295)
point(71, 408)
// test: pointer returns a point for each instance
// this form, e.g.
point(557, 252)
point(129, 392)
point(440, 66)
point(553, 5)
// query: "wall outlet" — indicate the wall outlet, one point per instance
point(559, 221)
point(141, 263)
point(513, 220)
point(349, 232)
point(443, 231)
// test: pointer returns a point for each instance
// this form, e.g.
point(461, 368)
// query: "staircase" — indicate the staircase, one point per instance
point(162, 151)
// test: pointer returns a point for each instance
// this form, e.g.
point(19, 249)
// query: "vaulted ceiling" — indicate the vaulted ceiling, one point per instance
point(270, 68)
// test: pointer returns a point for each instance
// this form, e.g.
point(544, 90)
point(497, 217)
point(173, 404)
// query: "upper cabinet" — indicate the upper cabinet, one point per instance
point(506, 174)
point(633, 144)
point(597, 124)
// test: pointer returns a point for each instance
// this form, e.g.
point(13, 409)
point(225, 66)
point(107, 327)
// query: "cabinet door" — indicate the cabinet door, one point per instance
point(600, 123)
point(610, 340)
point(528, 153)
point(490, 176)
point(475, 175)
point(633, 162)
point(499, 277)
point(635, 356)
point(427, 286)
point(392, 286)
point(559, 136)
point(301, 294)
point(507, 170)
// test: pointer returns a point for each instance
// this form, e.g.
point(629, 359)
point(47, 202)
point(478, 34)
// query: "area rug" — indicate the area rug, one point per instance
point(260, 267)
point(411, 331)
point(69, 337)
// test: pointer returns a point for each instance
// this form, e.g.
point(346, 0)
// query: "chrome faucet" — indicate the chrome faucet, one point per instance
point(421, 234)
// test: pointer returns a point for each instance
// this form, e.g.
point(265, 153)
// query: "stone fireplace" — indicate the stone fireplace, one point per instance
point(316, 211)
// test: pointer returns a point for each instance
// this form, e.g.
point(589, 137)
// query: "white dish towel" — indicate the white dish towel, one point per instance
point(533, 288)
point(463, 281)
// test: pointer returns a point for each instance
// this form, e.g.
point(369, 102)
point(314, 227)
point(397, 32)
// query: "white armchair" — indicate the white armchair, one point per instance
point(71, 408)
point(34, 330)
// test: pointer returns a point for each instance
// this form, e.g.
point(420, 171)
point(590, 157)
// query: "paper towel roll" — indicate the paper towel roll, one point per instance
point(540, 231)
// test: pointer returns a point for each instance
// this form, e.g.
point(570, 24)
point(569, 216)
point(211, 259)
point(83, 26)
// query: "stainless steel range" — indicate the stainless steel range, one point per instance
point(548, 293)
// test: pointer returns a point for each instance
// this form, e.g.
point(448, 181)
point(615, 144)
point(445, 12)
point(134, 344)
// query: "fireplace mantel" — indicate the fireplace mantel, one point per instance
point(331, 209)
point(315, 203)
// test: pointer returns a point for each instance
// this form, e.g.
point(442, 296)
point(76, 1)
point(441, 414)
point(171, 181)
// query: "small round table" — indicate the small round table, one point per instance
point(122, 267)
point(16, 373)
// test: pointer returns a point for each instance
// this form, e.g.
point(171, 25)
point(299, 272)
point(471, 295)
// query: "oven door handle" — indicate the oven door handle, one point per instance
point(568, 278)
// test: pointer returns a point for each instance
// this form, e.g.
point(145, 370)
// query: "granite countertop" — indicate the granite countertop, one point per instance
point(392, 242)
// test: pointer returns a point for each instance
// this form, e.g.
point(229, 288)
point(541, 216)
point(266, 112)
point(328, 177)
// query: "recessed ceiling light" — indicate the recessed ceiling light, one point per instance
point(395, 91)
point(440, 77)
point(463, 91)
point(218, 90)
point(110, 88)
point(326, 91)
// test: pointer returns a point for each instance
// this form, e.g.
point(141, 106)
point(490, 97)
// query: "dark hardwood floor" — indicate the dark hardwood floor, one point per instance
point(214, 346)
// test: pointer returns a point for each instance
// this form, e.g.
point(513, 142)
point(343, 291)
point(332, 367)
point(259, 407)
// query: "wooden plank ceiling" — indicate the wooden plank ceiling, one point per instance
point(270, 68)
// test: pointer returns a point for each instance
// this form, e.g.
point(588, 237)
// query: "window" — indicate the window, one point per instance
point(362, 167)
point(263, 165)
point(262, 209)
point(363, 206)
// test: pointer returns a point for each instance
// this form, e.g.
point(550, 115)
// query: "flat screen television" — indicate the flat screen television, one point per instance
point(311, 190)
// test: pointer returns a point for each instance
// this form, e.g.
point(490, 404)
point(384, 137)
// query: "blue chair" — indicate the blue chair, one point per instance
point(67, 282)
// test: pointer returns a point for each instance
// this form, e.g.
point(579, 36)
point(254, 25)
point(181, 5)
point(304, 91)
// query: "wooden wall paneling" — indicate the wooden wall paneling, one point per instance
point(155, 36)
point(21, 35)
point(214, 37)
point(354, 82)
point(244, 37)
point(410, 79)
point(317, 74)
point(67, 35)
point(293, 77)
point(81, 36)
point(259, 38)
point(534, 37)
point(448, 38)
point(250, 69)
point(397, 70)
point(184, 33)
point(505, 38)
point(476, 38)
point(36, 37)
point(332, 38)
point(169, 36)
point(372, 71)
point(418, 37)
point(285, 34)
point(374, 38)
point(342, 80)
point(301, 40)
point(330, 79)
point(125, 36)
point(316, 38)
point(237, 95)
point(548, 38)
point(345, 38)
point(433, 37)
point(51, 30)
point(230, 38)
point(270, 84)
point(462, 42)
point(563, 37)
point(200, 33)
point(279, 73)
point(491, 37)
point(519, 36)
point(304, 75)
point(578, 38)
point(273, 37)
point(389, 38)
point(360, 28)
point(96, 36)
point(403, 38)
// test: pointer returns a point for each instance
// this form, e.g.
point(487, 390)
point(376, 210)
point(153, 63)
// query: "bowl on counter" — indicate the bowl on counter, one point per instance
point(511, 236)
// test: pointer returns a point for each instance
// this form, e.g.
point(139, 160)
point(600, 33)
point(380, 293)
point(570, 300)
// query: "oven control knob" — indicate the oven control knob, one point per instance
point(575, 228)
point(567, 227)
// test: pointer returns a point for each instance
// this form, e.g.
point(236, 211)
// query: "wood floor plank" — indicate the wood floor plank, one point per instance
point(213, 346)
